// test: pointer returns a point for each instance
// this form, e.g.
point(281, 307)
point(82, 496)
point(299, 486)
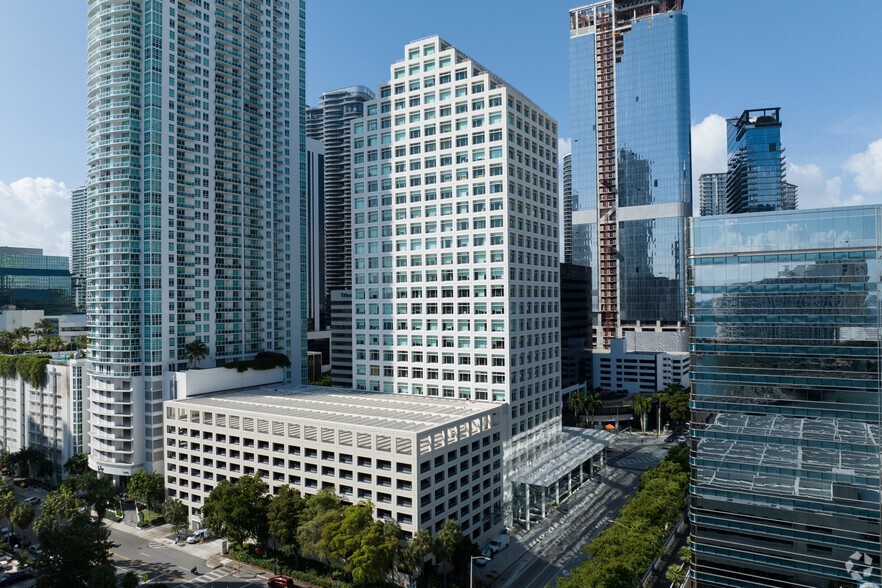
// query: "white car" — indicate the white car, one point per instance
point(199, 536)
point(498, 543)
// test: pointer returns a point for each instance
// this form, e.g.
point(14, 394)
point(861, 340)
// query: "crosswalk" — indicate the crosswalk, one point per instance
point(212, 576)
point(638, 461)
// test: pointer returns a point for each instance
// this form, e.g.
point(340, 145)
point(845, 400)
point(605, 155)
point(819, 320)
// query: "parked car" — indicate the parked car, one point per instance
point(280, 582)
point(36, 550)
point(499, 543)
point(486, 556)
point(200, 535)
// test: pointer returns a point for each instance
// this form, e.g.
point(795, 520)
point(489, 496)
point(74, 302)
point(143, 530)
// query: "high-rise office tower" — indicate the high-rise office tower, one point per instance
point(196, 203)
point(755, 178)
point(78, 247)
point(790, 197)
point(567, 210)
point(455, 240)
point(30, 280)
point(329, 123)
point(575, 324)
point(318, 311)
point(712, 194)
point(629, 107)
point(785, 397)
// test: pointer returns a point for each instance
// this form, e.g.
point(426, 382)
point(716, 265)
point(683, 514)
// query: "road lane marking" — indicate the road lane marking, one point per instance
point(149, 567)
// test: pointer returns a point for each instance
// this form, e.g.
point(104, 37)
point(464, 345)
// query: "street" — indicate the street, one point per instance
point(148, 552)
point(552, 548)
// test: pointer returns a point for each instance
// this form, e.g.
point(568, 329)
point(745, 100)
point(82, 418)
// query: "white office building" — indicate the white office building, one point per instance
point(455, 234)
point(195, 203)
point(420, 461)
point(638, 372)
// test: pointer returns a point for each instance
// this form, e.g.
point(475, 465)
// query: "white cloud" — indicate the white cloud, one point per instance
point(708, 149)
point(815, 190)
point(36, 213)
point(867, 168)
point(564, 147)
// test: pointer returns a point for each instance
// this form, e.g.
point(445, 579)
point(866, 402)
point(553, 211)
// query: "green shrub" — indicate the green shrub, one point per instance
point(306, 570)
point(264, 360)
point(31, 368)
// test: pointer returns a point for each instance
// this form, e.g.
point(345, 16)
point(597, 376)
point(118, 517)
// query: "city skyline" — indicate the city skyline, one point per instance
point(833, 153)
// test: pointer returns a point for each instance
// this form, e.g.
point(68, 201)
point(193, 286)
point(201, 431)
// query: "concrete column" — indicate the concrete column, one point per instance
point(527, 504)
point(557, 492)
point(570, 482)
point(544, 500)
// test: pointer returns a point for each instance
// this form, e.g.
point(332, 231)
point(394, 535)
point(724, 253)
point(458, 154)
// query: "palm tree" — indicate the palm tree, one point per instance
point(56, 343)
point(587, 403)
point(23, 334)
point(44, 328)
point(22, 516)
point(6, 339)
point(18, 345)
point(641, 405)
point(80, 342)
point(196, 351)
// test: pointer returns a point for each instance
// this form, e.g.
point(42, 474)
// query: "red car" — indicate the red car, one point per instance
point(280, 582)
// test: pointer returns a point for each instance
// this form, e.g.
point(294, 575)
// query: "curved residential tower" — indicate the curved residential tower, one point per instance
point(194, 203)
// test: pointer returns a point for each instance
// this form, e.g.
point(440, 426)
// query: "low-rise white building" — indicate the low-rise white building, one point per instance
point(67, 326)
point(419, 460)
point(636, 372)
point(50, 417)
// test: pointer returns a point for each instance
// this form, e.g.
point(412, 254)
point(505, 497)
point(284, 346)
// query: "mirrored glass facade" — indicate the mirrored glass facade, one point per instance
point(785, 335)
point(30, 280)
point(755, 178)
point(650, 126)
point(651, 260)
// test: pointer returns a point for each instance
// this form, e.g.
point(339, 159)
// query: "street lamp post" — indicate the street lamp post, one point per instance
point(472, 566)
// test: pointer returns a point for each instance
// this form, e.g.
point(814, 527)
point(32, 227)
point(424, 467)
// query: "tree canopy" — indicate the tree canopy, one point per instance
point(176, 515)
point(238, 510)
point(72, 545)
point(623, 552)
point(285, 515)
point(676, 400)
point(147, 488)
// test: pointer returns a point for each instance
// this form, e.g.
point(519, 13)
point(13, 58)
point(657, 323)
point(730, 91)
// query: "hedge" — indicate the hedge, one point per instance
point(304, 569)
point(31, 368)
point(265, 360)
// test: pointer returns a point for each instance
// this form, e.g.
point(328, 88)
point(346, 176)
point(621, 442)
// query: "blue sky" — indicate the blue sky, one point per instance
point(817, 60)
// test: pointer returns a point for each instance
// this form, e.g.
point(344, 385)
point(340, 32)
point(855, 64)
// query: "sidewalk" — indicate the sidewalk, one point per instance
point(523, 542)
point(210, 551)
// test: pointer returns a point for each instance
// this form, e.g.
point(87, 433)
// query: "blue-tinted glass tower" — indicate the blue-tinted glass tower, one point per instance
point(785, 324)
point(755, 178)
point(631, 161)
point(30, 280)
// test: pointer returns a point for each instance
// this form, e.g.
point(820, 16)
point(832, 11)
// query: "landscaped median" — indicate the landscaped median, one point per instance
point(621, 555)
point(303, 569)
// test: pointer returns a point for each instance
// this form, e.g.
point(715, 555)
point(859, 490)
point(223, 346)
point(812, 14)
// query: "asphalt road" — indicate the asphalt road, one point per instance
point(560, 550)
point(173, 567)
